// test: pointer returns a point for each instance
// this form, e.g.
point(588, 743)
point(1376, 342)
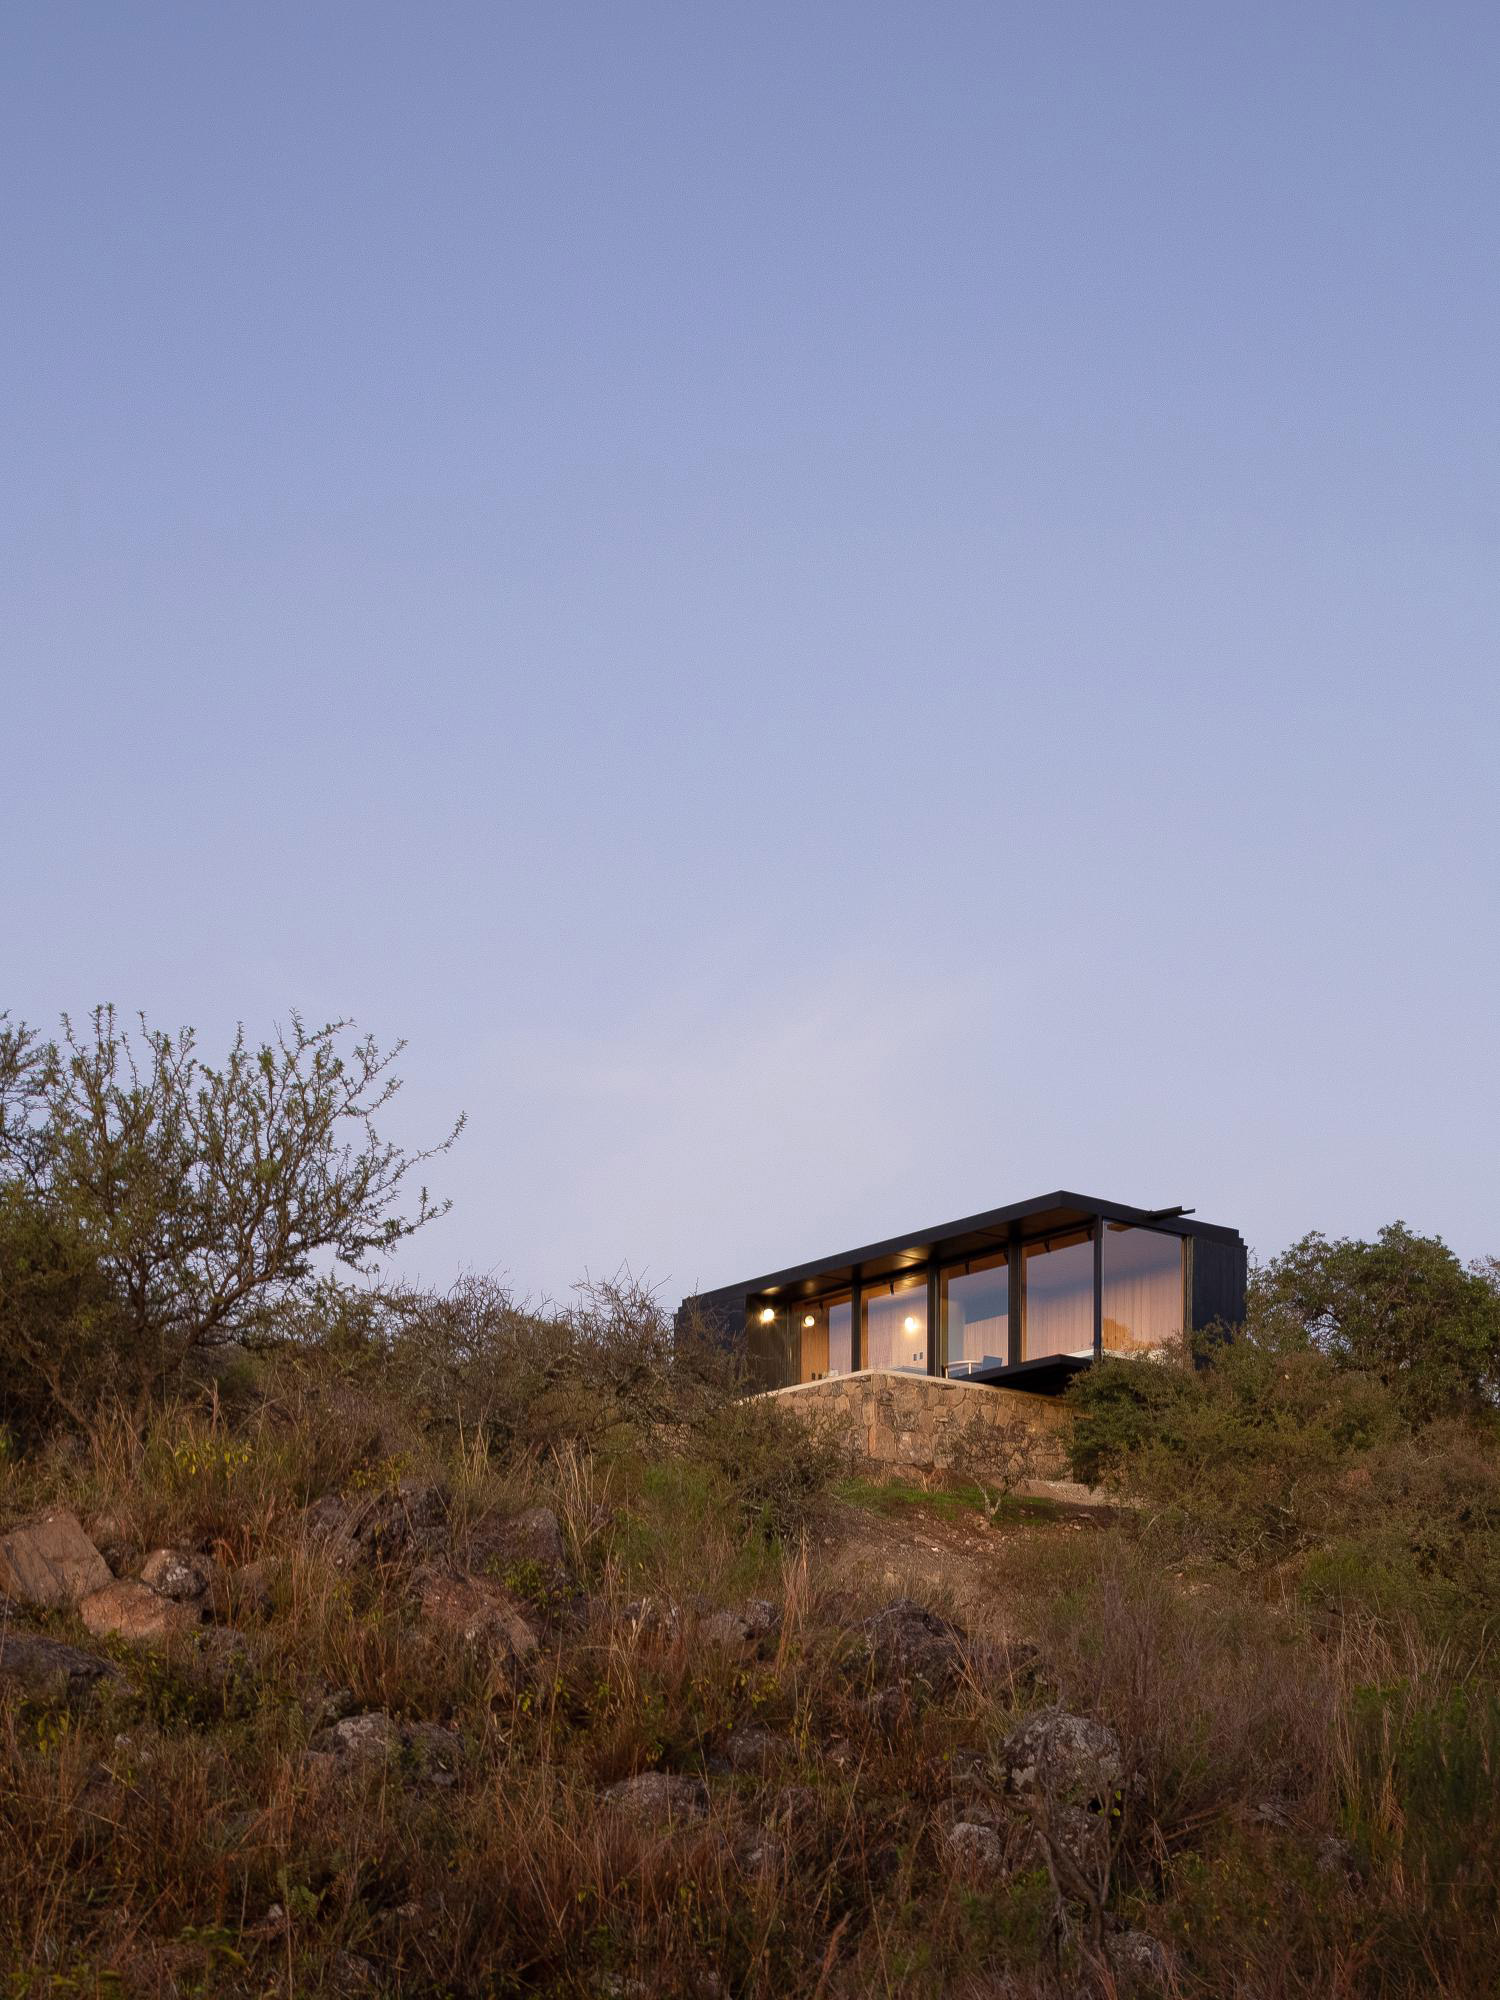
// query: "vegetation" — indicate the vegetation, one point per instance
point(1288, 1624)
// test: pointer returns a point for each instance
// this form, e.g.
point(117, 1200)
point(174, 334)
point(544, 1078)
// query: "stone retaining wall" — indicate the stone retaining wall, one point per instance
point(925, 1421)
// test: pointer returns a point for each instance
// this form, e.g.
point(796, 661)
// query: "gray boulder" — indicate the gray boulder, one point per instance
point(43, 1666)
point(979, 1848)
point(1062, 1760)
point(51, 1563)
point(177, 1574)
point(906, 1643)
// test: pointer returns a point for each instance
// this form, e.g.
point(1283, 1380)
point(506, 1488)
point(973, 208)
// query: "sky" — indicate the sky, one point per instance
point(843, 614)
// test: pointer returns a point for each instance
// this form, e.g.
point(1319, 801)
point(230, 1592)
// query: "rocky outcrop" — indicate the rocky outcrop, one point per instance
point(51, 1563)
point(474, 1612)
point(403, 1520)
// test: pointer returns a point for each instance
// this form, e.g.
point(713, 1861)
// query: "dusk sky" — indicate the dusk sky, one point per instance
point(844, 613)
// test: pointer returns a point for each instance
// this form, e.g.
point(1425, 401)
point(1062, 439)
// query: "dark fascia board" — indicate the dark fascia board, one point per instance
point(916, 1247)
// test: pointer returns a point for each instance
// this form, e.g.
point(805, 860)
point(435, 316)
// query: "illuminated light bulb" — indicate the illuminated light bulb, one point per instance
point(911, 1324)
point(768, 1313)
point(809, 1319)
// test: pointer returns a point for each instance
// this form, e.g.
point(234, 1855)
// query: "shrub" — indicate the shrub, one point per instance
point(1402, 1309)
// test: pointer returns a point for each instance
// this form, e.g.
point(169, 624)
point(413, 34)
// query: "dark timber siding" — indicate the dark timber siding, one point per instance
point(1218, 1284)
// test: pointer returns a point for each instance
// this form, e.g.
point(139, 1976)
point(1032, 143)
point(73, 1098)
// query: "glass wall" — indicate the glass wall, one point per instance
point(825, 1328)
point(840, 1335)
point(895, 1325)
point(1143, 1288)
point(1057, 1310)
point(976, 1314)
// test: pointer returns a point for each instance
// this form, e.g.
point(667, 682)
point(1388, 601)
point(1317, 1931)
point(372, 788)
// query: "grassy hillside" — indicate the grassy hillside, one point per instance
point(430, 1645)
point(1305, 1709)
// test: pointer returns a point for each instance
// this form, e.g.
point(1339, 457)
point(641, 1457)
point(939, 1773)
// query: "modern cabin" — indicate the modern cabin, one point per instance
point(1025, 1296)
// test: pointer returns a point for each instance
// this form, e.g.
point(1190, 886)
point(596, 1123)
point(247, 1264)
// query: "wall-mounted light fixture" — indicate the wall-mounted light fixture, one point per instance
point(767, 1314)
point(809, 1319)
point(910, 1324)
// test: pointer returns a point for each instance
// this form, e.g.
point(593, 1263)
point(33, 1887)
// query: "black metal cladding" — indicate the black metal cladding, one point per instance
point(1213, 1285)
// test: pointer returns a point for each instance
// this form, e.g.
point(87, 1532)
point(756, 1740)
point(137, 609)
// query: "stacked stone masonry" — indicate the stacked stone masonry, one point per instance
point(928, 1422)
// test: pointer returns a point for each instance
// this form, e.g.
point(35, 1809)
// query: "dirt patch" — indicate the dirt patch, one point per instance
point(936, 1554)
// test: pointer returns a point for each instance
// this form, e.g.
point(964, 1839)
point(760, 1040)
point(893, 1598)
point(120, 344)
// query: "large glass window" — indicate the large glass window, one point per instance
point(895, 1325)
point(976, 1314)
point(840, 1336)
point(1058, 1303)
point(1143, 1288)
point(824, 1327)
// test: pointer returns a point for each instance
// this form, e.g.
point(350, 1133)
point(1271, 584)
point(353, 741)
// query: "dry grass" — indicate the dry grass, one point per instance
point(172, 1838)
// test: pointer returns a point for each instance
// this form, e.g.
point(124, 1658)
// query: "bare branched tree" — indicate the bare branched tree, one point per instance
point(190, 1202)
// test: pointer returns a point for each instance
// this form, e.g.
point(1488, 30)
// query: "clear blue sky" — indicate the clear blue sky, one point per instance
point(845, 613)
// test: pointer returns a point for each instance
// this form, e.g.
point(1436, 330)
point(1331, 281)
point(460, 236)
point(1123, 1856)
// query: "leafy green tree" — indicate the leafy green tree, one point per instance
point(1403, 1309)
point(153, 1205)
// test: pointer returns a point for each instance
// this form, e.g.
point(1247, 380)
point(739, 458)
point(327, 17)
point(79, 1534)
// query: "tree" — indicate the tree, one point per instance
point(152, 1205)
point(1403, 1309)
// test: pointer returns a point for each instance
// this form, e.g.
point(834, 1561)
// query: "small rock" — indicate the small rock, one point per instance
point(657, 1616)
point(110, 1532)
point(741, 1626)
point(357, 1739)
point(135, 1612)
point(1270, 1812)
point(1337, 1859)
point(352, 1974)
point(246, 1592)
point(659, 1795)
point(752, 1749)
point(978, 1847)
point(1135, 1955)
point(762, 1852)
point(51, 1562)
point(966, 1767)
point(177, 1575)
point(906, 1643)
point(47, 1666)
point(475, 1612)
point(435, 1753)
point(1063, 1759)
point(725, 1628)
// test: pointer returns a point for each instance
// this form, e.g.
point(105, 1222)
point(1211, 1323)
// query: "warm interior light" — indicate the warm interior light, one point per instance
point(809, 1319)
point(911, 1324)
point(767, 1314)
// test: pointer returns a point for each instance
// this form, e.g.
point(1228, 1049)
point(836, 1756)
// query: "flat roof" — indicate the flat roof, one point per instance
point(969, 1236)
